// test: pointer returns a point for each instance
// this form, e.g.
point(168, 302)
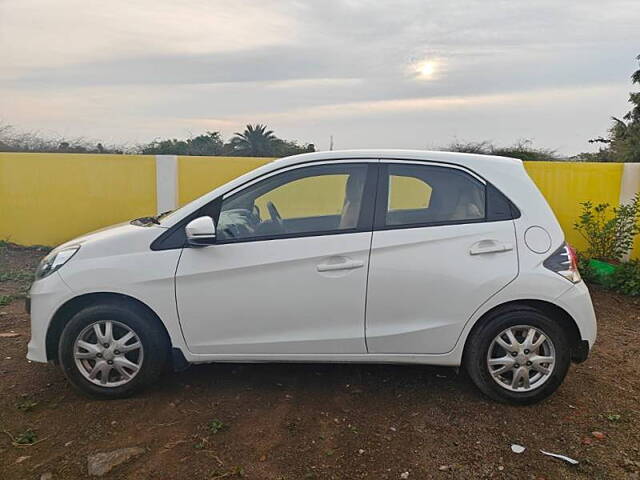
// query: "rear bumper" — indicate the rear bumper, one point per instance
point(577, 302)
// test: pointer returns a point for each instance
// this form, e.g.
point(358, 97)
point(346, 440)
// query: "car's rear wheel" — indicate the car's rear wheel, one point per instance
point(111, 351)
point(518, 356)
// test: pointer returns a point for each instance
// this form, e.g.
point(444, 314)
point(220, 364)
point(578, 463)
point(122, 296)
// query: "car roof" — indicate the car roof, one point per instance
point(471, 160)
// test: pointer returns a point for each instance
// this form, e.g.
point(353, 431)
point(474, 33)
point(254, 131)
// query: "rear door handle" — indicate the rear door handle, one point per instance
point(489, 246)
point(348, 265)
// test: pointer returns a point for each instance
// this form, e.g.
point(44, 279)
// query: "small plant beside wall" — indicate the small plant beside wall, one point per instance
point(625, 279)
point(610, 233)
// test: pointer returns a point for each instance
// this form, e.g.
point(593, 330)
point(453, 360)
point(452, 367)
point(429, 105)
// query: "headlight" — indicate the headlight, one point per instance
point(55, 260)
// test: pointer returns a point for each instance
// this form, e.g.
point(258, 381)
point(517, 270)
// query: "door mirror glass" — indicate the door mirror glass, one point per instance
point(201, 231)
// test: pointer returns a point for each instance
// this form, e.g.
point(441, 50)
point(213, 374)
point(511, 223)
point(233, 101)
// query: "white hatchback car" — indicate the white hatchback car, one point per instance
point(346, 256)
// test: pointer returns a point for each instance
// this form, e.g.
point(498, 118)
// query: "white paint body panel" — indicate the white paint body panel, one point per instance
point(113, 260)
point(266, 301)
point(424, 284)
point(268, 297)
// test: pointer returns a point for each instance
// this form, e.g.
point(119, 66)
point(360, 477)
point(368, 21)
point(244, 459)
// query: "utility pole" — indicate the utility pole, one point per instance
point(331, 143)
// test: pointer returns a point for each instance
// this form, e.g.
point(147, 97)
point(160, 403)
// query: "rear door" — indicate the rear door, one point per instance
point(443, 243)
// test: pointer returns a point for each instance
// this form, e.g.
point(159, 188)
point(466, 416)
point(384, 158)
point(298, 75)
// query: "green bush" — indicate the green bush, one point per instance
point(587, 272)
point(609, 231)
point(626, 279)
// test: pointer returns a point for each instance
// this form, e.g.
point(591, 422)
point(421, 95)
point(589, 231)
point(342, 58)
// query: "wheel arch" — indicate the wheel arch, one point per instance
point(67, 310)
point(551, 310)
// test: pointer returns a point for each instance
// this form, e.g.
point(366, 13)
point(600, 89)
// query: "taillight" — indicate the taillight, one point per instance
point(564, 262)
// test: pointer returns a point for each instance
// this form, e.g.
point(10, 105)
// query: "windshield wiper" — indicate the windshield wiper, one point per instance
point(142, 221)
point(155, 220)
point(163, 214)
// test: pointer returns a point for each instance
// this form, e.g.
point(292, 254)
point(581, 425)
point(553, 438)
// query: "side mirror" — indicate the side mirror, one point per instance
point(201, 231)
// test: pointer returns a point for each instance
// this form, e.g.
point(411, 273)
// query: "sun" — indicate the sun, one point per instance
point(426, 69)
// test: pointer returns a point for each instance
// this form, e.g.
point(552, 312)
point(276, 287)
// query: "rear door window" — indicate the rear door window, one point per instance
point(422, 195)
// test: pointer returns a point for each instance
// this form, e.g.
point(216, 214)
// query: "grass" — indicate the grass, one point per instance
point(215, 426)
point(24, 439)
point(20, 276)
point(28, 437)
point(235, 472)
point(26, 405)
point(6, 300)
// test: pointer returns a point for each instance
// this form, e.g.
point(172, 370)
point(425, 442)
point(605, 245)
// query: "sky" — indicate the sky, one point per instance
point(372, 74)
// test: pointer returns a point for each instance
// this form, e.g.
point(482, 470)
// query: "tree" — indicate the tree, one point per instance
point(284, 148)
point(623, 140)
point(208, 144)
point(255, 141)
point(16, 141)
point(522, 149)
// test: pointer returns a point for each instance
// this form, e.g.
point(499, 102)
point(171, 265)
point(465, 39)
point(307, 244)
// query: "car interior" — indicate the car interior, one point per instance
point(435, 196)
point(449, 196)
point(241, 217)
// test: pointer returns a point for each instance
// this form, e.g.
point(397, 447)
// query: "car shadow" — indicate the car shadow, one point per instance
point(317, 379)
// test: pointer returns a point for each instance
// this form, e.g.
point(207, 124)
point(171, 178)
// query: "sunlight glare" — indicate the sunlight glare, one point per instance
point(426, 69)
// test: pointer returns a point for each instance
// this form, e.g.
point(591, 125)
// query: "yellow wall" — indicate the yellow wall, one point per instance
point(312, 196)
point(46, 199)
point(199, 175)
point(566, 184)
point(408, 192)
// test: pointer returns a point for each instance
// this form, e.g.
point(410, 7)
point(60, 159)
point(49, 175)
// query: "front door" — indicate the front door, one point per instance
point(442, 246)
point(288, 272)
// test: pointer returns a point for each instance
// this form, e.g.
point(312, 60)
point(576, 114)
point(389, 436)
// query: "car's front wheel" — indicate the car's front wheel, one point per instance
point(111, 351)
point(518, 356)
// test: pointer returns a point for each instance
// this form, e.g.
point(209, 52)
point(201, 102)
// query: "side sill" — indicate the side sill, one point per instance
point(448, 360)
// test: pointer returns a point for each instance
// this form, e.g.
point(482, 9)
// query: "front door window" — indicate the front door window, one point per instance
point(306, 201)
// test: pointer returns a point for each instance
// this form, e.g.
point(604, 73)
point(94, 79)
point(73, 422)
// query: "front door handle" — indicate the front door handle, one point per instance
point(489, 246)
point(332, 267)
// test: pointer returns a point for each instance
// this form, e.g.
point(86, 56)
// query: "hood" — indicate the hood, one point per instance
point(116, 238)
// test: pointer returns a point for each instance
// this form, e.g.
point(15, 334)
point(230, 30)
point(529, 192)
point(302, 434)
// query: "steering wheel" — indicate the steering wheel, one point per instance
point(275, 215)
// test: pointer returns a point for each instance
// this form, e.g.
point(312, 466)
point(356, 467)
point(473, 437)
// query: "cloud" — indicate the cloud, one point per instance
point(137, 70)
point(39, 33)
point(379, 108)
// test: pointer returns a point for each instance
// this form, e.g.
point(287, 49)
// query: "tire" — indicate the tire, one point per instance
point(510, 387)
point(121, 380)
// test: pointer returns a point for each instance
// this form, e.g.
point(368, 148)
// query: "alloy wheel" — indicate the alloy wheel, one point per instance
point(521, 358)
point(108, 353)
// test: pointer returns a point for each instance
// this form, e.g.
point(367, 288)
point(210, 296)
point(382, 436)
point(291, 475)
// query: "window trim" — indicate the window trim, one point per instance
point(383, 192)
point(174, 236)
point(430, 163)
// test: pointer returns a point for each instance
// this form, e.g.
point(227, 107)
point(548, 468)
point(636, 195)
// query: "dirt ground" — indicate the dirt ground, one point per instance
point(321, 421)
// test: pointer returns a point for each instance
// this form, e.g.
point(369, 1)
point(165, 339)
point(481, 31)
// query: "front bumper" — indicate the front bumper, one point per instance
point(44, 299)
